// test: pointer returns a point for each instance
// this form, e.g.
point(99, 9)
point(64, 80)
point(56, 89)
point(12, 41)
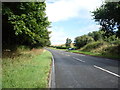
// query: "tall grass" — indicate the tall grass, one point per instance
point(94, 45)
point(28, 70)
point(100, 48)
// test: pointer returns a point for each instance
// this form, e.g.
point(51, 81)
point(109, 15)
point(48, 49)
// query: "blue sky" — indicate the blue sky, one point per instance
point(71, 18)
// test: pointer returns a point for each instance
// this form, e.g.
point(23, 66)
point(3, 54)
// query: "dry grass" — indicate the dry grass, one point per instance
point(26, 69)
point(14, 54)
point(99, 49)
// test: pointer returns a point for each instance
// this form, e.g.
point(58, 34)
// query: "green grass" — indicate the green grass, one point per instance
point(26, 71)
point(106, 55)
point(83, 52)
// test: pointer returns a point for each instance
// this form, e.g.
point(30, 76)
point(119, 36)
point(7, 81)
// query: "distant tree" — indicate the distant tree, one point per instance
point(68, 42)
point(108, 16)
point(83, 40)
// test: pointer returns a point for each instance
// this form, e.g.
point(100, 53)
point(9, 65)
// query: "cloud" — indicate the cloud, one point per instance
point(59, 10)
point(63, 10)
point(58, 36)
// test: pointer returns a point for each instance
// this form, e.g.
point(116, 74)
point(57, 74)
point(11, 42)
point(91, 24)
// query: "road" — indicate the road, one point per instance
point(73, 70)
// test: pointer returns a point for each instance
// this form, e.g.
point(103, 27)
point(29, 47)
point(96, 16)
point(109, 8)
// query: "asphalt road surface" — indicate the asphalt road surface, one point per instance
point(82, 71)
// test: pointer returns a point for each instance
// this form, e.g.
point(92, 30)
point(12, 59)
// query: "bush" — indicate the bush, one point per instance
point(111, 39)
point(93, 45)
point(82, 41)
point(112, 50)
point(23, 48)
point(117, 42)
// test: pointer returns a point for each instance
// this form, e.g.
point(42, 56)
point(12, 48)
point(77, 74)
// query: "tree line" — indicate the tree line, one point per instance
point(25, 23)
point(108, 16)
point(95, 36)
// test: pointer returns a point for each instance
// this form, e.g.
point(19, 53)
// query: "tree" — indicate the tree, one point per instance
point(97, 35)
point(108, 16)
point(48, 43)
point(25, 23)
point(68, 42)
point(82, 40)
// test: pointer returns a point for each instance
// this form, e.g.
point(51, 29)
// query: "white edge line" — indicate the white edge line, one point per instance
point(53, 73)
point(50, 76)
point(107, 71)
point(49, 86)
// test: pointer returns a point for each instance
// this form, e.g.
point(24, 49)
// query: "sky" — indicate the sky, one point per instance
point(71, 18)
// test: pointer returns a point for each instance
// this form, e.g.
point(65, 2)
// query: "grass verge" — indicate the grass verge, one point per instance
point(29, 70)
point(104, 55)
point(96, 54)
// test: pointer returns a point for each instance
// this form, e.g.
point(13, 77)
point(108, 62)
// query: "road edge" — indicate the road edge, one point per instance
point(52, 74)
point(95, 56)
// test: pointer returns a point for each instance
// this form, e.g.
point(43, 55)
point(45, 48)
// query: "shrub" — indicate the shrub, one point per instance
point(112, 50)
point(93, 45)
point(111, 39)
point(23, 48)
point(82, 41)
point(116, 42)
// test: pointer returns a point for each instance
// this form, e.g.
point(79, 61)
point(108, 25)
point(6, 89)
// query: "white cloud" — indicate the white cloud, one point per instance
point(60, 10)
point(58, 36)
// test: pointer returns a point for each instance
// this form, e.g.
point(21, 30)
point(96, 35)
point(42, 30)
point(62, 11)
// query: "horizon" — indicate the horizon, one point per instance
point(73, 19)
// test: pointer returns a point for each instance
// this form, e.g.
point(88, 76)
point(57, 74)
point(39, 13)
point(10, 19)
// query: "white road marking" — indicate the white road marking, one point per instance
point(77, 54)
point(52, 83)
point(78, 59)
point(82, 55)
point(68, 55)
point(107, 71)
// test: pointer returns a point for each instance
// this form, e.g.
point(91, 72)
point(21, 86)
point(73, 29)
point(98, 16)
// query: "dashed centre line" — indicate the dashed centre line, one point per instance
point(68, 55)
point(64, 54)
point(107, 71)
point(78, 59)
point(96, 66)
